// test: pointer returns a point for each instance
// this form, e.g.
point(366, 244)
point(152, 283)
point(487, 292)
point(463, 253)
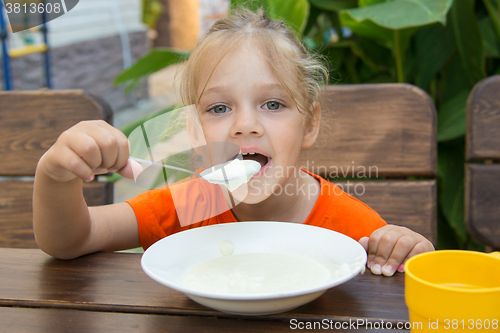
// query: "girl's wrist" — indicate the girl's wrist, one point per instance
point(44, 175)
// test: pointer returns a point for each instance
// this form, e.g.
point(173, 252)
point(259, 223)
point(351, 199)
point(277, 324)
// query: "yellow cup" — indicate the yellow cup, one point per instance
point(453, 291)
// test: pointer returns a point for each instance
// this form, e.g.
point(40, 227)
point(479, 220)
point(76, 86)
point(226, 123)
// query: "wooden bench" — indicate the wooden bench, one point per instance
point(482, 178)
point(389, 131)
point(30, 123)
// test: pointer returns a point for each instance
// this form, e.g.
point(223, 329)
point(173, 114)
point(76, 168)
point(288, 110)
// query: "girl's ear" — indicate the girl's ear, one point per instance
point(311, 130)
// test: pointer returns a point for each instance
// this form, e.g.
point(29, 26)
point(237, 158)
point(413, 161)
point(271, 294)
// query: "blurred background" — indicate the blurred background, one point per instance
point(129, 51)
point(95, 41)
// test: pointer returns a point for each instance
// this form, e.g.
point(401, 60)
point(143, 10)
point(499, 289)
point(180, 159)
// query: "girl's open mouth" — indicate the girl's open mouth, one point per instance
point(262, 159)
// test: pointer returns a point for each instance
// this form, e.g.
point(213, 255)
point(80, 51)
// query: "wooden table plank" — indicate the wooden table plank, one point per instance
point(20, 320)
point(115, 282)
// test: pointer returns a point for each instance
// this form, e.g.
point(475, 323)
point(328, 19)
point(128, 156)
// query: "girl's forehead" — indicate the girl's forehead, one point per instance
point(243, 66)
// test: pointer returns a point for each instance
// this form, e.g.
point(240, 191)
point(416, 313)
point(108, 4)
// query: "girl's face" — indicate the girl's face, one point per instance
point(244, 103)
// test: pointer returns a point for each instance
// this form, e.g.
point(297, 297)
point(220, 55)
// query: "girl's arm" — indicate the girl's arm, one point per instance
point(63, 224)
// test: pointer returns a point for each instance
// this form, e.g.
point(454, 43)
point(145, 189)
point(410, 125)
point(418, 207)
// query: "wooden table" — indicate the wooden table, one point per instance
point(108, 292)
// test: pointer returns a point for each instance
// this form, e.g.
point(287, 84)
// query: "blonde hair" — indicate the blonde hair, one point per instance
point(300, 74)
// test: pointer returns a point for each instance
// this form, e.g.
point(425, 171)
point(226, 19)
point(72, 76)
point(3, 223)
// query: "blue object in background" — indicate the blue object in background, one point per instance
point(5, 53)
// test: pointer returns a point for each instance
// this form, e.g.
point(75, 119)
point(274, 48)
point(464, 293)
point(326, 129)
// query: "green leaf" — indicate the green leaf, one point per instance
point(364, 3)
point(322, 24)
point(468, 39)
point(446, 235)
point(490, 44)
point(392, 23)
point(151, 10)
point(401, 14)
point(372, 54)
point(494, 14)
point(334, 5)
point(451, 117)
point(335, 56)
point(452, 80)
point(380, 78)
point(152, 62)
point(314, 12)
point(451, 181)
point(294, 13)
point(434, 45)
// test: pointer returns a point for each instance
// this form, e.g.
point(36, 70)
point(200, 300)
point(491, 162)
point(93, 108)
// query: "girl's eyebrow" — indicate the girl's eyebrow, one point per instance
point(273, 86)
point(214, 90)
point(276, 87)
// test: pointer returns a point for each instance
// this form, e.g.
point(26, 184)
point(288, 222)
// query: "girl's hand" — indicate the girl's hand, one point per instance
point(89, 148)
point(390, 246)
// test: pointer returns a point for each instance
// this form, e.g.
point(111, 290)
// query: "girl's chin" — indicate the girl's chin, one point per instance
point(250, 195)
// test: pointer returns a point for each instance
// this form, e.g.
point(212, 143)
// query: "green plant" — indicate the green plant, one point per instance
point(151, 10)
point(443, 46)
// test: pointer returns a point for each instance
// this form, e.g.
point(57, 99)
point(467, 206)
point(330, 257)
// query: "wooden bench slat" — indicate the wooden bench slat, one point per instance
point(483, 120)
point(16, 217)
point(412, 204)
point(408, 203)
point(391, 127)
point(482, 208)
point(30, 123)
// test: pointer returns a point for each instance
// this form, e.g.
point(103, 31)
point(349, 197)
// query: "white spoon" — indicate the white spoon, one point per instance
point(232, 174)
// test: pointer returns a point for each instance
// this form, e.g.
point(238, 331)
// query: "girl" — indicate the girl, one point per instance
point(253, 84)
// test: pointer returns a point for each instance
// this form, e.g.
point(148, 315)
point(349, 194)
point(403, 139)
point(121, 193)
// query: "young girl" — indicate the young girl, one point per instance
point(253, 84)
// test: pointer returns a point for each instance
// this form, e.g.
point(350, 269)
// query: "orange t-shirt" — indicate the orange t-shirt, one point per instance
point(157, 215)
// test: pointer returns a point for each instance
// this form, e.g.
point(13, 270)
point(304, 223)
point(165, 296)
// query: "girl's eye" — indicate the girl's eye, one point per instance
point(273, 105)
point(219, 109)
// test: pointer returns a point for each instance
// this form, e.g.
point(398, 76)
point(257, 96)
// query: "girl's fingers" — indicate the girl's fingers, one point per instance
point(101, 146)
point(390, 246)
point(123, 153)
point(373, 242)
point(403, 247)
point(364, 243)
point(107, 143)
point(119, 144)
point(385, 247)
point(68, 165)
point(424, 245)
point(87, 148)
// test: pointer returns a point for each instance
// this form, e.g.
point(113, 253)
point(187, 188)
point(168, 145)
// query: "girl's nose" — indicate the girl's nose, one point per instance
point(246, 122)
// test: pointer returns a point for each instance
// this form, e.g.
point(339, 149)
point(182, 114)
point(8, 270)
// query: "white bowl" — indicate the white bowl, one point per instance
point(169, 259)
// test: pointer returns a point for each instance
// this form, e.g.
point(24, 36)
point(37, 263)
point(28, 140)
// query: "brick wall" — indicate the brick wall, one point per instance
point(90, 65)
